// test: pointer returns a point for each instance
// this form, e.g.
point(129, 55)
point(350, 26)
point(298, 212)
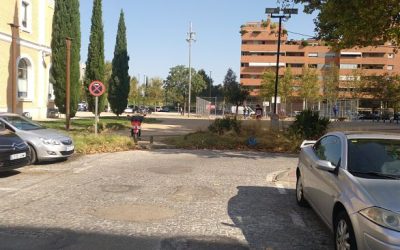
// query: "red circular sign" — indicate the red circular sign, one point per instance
point(97, 88)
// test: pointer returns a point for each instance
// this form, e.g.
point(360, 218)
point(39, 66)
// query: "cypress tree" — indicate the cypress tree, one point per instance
point(120, 79)
point(95, 59)
point(66, 23)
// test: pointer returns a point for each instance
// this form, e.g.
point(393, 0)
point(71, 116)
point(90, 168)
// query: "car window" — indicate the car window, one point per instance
point(374, 156)
point(22, 123)
point(2, 126)
point(329, 149)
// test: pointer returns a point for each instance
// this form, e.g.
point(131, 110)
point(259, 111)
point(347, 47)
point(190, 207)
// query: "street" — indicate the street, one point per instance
point(161, 199)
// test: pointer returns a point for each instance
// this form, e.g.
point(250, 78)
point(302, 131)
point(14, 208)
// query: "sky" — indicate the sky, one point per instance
point(157, 32)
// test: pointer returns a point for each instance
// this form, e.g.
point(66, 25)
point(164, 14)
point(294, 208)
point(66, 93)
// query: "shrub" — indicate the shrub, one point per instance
point(308, 125)
point(221, 126)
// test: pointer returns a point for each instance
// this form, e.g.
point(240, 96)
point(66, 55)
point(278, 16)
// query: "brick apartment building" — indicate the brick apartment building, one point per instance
point(259, 51)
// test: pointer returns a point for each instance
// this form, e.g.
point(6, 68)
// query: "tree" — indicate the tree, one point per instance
point(95, 68)
point(207, 92)
point(386, 88)
point(309, 90)
point(154, 92)
point(330, 76)
point(360, 23)
point(233, 91)
point(267, 88)
point(134, 94)
point(120, 79)
point(177, 84)
point(285, 87)
point(357, 83)
point(66, 23)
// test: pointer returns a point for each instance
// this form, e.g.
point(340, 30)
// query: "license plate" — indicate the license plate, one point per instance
point(17, 156)
point(70, 148)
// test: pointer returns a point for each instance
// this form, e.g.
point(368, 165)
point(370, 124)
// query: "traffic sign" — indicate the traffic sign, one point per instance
point(97, 88)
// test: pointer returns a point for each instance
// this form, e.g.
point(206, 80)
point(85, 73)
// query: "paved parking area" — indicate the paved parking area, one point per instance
point(163, 199)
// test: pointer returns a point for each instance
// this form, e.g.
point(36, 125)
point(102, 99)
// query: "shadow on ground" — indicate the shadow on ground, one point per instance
point(278, 225)
point(29, 238)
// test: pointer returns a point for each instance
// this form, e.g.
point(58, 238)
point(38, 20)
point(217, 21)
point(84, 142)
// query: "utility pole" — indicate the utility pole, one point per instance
point(190, 39)
point(210, 83)
point(68, 84)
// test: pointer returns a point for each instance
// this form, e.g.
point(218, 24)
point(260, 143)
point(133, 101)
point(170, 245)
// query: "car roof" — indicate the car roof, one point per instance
point(370, 135)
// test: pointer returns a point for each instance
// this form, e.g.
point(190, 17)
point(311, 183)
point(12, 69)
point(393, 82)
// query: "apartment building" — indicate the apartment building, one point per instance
point(259, 53)
point(25, 36)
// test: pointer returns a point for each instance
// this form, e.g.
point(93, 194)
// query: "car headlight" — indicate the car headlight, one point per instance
point(382, 217)
point(50, 141)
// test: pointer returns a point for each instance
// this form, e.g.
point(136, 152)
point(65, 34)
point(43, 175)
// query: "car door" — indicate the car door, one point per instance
point(324, 184)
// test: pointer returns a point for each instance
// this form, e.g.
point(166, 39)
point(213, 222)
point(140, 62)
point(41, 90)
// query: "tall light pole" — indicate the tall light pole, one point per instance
point(279, 13)
point(210, 83)
point(14, 54)
point(190, 39)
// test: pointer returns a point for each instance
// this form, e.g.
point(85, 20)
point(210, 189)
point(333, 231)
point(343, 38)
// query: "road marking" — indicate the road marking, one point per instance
point(296, 219)
point(46, 169)
point(80, 170)
point(281, 188)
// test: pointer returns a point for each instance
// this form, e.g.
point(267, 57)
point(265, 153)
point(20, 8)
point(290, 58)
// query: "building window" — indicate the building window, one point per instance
point(295, 54)
point(312, 66)
point(391, 55)
point(26, 15)
point(23, 78)
point(313, 54)
point(373, 66)
point(390, 67)
point(349, 66)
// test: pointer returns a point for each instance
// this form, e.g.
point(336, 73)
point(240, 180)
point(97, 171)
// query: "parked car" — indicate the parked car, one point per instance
point(14, 152)
point(82, 106)
point(131, 109)
point(44, 144)
point(164, 109)
point(352, 181)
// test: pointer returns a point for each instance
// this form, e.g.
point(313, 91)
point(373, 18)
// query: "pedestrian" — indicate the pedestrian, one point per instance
point(335, 110)
point(245, 110)
point(259, 112)
point(181, 110)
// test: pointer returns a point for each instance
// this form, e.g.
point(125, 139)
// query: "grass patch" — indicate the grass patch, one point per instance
point(91, 144)
point(87, 124)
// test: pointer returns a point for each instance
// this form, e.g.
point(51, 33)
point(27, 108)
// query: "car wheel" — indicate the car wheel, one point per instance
point(33, 155)
point(343, 233)
point(301, 201)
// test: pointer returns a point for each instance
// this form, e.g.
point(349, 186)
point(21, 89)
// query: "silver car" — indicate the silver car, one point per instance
point(44, 144)
point(352, 181)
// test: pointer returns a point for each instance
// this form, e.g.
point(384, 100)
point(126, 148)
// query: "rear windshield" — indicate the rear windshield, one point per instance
point(22, 123)
point(379, 156)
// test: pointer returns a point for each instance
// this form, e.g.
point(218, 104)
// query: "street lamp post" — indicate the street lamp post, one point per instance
point(190, 39)
point(276, 13)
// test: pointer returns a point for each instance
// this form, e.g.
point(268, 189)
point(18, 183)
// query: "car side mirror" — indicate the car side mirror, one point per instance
point(325, 165)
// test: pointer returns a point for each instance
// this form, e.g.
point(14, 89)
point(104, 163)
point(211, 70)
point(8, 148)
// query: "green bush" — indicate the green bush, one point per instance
point(308, 125)
point(226, 124)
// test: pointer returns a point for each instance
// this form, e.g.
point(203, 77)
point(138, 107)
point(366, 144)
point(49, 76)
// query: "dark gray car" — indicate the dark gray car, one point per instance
point(45, 144)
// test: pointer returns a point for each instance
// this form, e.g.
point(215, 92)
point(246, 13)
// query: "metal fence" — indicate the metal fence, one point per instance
point(206, 106)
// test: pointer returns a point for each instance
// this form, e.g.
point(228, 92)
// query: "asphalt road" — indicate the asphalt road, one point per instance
point(162, 199)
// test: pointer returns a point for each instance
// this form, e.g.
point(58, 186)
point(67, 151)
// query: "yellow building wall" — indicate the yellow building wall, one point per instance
point(33, 45)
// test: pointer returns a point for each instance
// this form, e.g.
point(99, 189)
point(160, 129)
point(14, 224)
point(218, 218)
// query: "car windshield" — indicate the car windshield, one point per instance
point(22, 123)
point(374, 158)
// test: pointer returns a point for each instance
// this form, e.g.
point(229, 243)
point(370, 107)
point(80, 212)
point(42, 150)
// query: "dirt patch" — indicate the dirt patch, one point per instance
point(118, 188)
point(192, 193)
point(171, 170)
point(136, 213)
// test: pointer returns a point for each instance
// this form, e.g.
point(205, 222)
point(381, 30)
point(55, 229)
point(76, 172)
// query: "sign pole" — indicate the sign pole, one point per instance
point(96, 115)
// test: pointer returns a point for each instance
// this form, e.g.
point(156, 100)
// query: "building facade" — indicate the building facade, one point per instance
point(29, 71)
point(259, 53)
